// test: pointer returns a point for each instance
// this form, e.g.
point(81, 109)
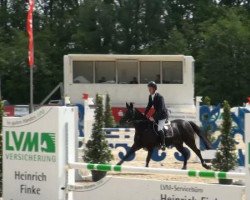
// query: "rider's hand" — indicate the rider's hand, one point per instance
point(151, 119)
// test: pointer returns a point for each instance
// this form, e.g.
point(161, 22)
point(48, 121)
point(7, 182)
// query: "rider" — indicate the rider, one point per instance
point(161, 114)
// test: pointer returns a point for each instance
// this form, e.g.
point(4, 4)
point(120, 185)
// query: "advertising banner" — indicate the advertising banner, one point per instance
point(138, 189)
point(34, 154)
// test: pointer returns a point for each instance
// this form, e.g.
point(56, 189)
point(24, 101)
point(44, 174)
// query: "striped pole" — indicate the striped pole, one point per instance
point(119, 129)
point(190, 173)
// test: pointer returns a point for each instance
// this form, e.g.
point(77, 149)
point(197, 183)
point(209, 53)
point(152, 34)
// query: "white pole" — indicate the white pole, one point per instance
point(31, 89)
point(198, 100)
point(190, 173)
point(247, 154)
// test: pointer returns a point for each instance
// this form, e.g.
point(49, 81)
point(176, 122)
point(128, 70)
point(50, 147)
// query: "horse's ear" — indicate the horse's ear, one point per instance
point(131, 105)
point(127, 105)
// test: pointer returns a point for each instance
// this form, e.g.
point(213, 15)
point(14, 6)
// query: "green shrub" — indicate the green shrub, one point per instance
point(97, 149)
point(226, 159)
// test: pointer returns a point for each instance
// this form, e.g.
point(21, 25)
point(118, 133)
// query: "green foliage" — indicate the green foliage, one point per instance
point(225, 58)
point(174, 44)
point(95, 33)
point(207, 128)
point(108, 116)
point(51, 37)
point(13, 68)
point(226, 158)
point(97, 149)
point(216, 33)
point(207, 101)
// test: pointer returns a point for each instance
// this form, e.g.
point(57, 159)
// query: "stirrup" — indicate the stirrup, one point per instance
point(163, 147)
point(169, 135)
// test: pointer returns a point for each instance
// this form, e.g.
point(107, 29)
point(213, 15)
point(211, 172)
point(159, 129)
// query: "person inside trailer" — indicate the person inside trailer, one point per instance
point(134, 81)
point(102, 80)
point(158, 78)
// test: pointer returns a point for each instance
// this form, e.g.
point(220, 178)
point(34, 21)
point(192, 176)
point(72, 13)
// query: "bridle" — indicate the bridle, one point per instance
point(133, 116)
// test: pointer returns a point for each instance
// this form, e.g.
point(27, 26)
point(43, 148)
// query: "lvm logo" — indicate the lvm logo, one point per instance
point(30, 142)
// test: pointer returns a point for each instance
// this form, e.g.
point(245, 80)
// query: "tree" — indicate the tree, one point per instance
point(128, 34)
point(108, 116)
point(97, 148)
point(17, 13)
point(175, 43)
point(14, 70)
point(207, 127)
point(225, 158)
point(224, 58)
point(233, 2)
point(95, 33)
point(215, 33)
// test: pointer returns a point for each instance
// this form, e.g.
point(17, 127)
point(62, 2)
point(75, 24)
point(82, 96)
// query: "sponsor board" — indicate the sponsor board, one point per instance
point(117, 188)
point(34, 154)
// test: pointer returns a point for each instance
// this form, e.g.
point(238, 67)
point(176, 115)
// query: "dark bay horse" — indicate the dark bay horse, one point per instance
point(146, 137)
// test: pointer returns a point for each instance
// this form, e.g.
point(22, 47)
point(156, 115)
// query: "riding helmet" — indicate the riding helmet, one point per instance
point(152, 84)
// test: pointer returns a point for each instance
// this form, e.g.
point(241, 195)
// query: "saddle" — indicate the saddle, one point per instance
point(168, 130)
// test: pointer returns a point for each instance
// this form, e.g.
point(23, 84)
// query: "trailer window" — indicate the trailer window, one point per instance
point(82, 71)
point(127, 72)
point(150, 71)
point(105, 72)
point(172, 72)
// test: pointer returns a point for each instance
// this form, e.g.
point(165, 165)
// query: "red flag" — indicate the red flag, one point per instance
point(29, 27)
point(85, 96)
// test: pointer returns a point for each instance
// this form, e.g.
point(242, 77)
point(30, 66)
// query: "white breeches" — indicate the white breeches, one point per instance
point(161, 124)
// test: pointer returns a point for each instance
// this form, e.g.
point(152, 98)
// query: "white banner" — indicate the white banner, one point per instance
point(137, 189)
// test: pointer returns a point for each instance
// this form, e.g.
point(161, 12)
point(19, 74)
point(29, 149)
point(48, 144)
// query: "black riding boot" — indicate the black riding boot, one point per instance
point(163, 142)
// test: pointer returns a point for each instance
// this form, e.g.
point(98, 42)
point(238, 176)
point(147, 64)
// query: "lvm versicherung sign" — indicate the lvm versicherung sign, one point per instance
point(26, 143)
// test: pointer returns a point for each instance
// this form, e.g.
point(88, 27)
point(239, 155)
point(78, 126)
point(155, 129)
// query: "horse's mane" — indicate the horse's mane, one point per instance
point(140, 116)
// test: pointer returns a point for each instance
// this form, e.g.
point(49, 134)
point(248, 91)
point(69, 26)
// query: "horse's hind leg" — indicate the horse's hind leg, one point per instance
point(197, 151)
point(150, 152)
point(184, 153)
point(133, 149)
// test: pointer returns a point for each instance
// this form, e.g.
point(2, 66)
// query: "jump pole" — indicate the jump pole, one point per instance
point(189, 173)
point(119, 129)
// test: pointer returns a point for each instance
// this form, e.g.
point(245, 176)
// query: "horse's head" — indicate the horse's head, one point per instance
point(132, 114)
point(129, 115)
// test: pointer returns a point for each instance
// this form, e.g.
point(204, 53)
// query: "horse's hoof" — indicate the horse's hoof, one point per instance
point(163, 148)
point(184, 168)
point(206, 166)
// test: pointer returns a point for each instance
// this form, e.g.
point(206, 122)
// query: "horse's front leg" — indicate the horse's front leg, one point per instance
point(150, 152)
point(133, 149)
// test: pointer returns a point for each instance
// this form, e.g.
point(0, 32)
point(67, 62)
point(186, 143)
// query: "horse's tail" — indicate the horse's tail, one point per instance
point(197, 130)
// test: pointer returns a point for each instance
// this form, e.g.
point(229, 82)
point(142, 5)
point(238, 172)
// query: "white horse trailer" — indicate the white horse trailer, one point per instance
point(125, 78)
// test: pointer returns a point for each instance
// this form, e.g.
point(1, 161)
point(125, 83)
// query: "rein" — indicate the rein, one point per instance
point(155, 132)
point(146, 120)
